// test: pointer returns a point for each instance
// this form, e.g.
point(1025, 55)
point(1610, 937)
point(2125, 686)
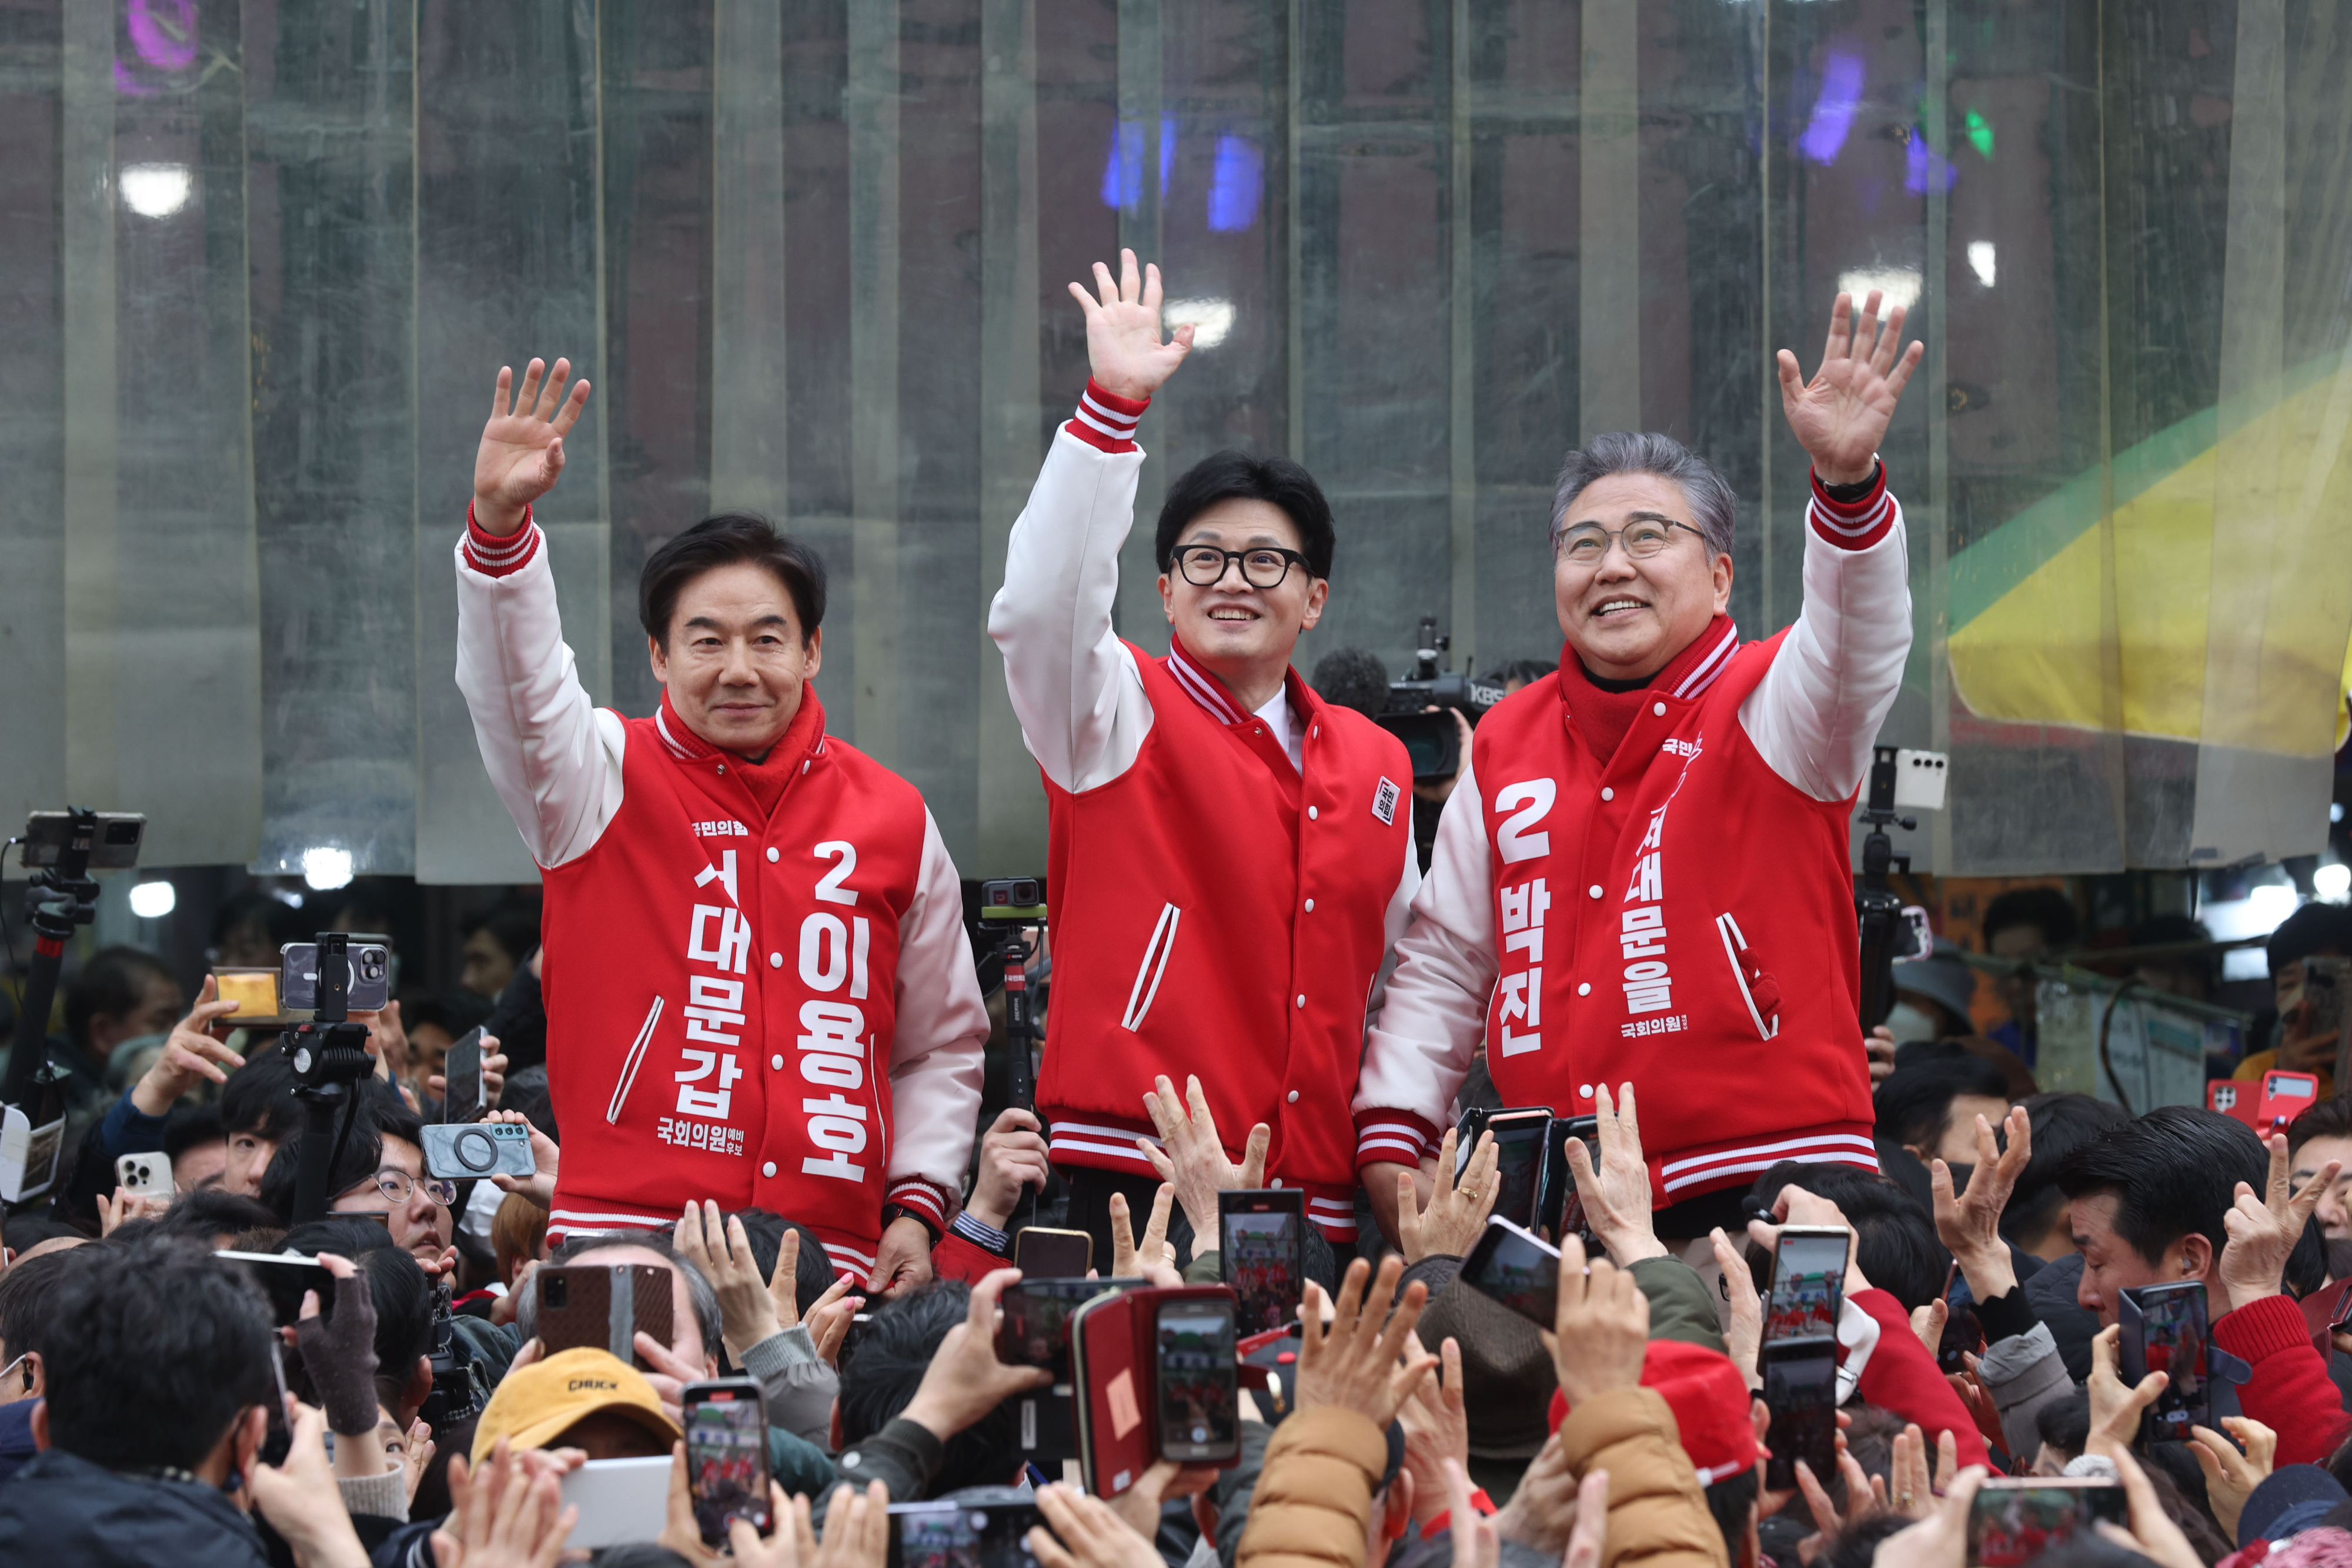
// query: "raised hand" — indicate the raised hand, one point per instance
point(2262, 1231)
point(1841, 415)
point(189, 1055)
point(1969, 1222)
point(1617, 1195)
point(1154, 1258)
point(521, 454)
point(1193, 1160)
point(1456, 1215)
point(1123, 348)
point(1357, 1360)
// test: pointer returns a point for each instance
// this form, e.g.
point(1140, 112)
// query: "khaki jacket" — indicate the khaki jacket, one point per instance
point(1658, 1509)
point(1314, 1498)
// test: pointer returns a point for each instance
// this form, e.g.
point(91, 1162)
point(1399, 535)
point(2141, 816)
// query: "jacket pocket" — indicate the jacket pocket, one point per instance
point(1148, 973)
point(637, 1059)
point(1757, 989)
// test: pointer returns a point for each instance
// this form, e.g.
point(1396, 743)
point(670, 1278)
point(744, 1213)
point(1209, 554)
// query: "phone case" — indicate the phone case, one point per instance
point(1112, 1364)
point(605, 1306)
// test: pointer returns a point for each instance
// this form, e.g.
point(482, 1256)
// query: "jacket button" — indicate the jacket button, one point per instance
point(768, 1169)
point(1310, 906)
point(1594, 890)
point(1293, 1097)
point(722, 767)
point(1315, 732)
point(775, 960)
point(1302, 1000)
point(1583, 990)
point(1606, 794)
point(777, 1060)
point(1584, 1090)
point(772, 857)
point(1276, 1182)
point(1310, 813)
point(1658, 708)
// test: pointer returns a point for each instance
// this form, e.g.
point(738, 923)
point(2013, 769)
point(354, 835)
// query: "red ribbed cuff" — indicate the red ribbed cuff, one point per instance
point(1106, 420)
point(926, 1199)
point(1399, 1137)
point(1853, 525)
point(500, 555)
point(2261, 1329)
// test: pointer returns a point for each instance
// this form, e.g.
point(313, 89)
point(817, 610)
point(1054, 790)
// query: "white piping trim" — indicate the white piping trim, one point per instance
point(1412, 1150)
point(1819, 1140)
point(1063, 1145)
point(582, 1218)
point(636, 1060)
point(1106, 1132)
point(1105, 417)
point(1704, 674)
point(669, 739)
point(1331, 1203)
point(1202, 690)
point(1729, 929)
point(1162, 943)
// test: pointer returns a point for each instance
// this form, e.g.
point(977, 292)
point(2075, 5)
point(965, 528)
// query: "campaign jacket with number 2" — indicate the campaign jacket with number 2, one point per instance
point(758, 990)
point(1675, 913)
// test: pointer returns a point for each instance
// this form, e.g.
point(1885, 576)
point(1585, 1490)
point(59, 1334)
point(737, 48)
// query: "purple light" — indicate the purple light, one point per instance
point(163, 32)
point(1122, 181)
point(1825, 134)
point(1235, 183)
point(1924, 164)
point(1167, 152)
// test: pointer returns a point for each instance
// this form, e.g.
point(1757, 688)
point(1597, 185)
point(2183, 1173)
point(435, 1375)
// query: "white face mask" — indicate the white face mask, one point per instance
point(1910, 1023)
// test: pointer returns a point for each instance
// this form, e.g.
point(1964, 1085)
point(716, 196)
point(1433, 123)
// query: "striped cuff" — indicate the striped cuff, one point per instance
point(1106, 420)
point(982, 1235)
point(926, 1201)
point(1398, 1137)
point(1853, 525)
point(500, 555)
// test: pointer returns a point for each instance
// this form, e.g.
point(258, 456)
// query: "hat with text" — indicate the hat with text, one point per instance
point(539, 1402)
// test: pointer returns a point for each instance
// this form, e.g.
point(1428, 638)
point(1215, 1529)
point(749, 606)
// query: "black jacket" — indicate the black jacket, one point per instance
point(62, 1509)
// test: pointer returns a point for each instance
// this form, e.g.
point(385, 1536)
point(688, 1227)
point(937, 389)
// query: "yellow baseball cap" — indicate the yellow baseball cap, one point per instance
point(535, 1404)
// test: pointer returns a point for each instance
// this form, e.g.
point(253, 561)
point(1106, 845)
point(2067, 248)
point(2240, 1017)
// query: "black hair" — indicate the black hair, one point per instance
point(730, 539)
point(1894, 1244)
point(1353, 678)
point(2173, 1172)
point(456, 1011)
point(1232, 476)
point(2060, 1123)
point(879, 1381)
point(515, 928)
point(402, 1294)
point(2314, 929)
point(259, 1098)
point(280, 922)
point(2064, 1424)
point(2046, 909)
point(1527, 672)
point(382, 1115)
point(191, 1127)
point(166, 1348)
point(1730, 1501)
point(25, 1291)
point(1856, 1546)
point(2329, 1118)
point(112, 981)
point(812, 1275)
point(1915, 1101)
point(208, 1214)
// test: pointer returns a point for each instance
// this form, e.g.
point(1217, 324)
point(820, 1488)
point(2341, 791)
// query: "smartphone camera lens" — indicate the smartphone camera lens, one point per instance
point(554, 1291)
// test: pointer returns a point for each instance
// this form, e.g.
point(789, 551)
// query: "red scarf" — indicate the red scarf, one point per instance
point(1603, 716)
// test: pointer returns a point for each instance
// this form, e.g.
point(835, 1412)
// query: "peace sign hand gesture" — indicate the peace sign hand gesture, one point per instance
point(1841, 415)
point(1123, 348)
point(521, 453)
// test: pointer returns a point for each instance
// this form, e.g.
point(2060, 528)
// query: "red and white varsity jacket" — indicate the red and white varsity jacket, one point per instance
point(1225, 886)
point(758, 990)
point(1680, 917)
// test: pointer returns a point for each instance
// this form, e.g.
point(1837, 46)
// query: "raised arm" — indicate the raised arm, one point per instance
point(1817, 711)
point(1074, 683)
point(935, 1054)
point(554, 761)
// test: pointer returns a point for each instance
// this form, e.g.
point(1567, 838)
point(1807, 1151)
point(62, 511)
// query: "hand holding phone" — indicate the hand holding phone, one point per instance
point(727, 1457)
point(1041, 1252)
point(463, 1097)
point(2014, 1520)
point(1519, 1268)
point(1262, 1253)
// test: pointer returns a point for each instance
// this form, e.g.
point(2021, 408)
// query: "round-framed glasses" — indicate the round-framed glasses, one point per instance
point(1264, 566)
point(1586, 543)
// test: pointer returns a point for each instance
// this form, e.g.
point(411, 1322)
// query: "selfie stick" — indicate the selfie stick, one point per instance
point(330, 1056)
point(61, 897)
point(1877, 905)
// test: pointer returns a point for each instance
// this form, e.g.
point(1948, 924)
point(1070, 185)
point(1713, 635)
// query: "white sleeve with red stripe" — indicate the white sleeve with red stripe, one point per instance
point(554, 759)
point(1419, 1047)
point(1816, 713)
point(1074, 683)
point(935, 1053)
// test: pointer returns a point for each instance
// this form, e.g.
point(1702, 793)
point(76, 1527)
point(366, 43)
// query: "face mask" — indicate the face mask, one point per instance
point(1910, 1024)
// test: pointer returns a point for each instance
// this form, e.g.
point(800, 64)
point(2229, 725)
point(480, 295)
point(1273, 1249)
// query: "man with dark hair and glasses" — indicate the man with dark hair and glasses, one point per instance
point(1641, 876)
point(1230, 856)
point(379, 1170)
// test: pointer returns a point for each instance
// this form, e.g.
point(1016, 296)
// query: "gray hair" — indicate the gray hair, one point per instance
point(578, 1245)
point(1714, 508)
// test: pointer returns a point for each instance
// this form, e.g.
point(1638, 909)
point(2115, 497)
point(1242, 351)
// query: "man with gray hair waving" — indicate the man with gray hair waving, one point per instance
point(1643, 874)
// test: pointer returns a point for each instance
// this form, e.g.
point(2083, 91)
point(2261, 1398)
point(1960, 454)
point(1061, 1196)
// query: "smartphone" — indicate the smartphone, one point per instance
point(469, 1151)
point(297, 976)
point(1563, 1207)
point(1800, 1390)
point(2015, 1519)
point(2341, 1318)
point(2285, 1096)
point(1521, 1141)
point(1044, 1254)
point(112, 847)
point(1518, 1268)
point(283, 1277)
point(1963, 1337)
point(1035, 1330)
point(620, 1500)
point(2164, 1331)
point(976, 1529)
point(1262, 1253)
point(1808, 1283)
point(255, 992)
point(604, 1306)
point(279, 1437)
point(727, 1456)
point(149, 1174)
point(463, 1098)
point(1198, 1387)
point(1477, 1120)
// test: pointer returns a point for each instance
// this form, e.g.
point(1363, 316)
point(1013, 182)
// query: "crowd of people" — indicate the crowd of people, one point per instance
point(751, 1052)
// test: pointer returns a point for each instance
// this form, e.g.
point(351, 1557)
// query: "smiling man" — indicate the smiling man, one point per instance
point(1231, 857)
point(757, 987)
point(1644, 867)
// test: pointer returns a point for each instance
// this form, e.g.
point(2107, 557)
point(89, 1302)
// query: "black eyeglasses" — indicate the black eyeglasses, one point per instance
point(1204, 566)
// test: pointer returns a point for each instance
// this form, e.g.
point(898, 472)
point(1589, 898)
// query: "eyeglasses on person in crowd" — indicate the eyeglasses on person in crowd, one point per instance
point(1204, 566)
point(1586, 543)
point(396, 1185)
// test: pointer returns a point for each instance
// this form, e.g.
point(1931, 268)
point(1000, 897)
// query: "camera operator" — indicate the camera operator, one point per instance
point(756, 975)
point(1231, 856)
point(1644, 840)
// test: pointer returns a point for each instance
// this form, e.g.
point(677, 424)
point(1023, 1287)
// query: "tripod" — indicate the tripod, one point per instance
point(330, 1056)
point(60, 897)
point(1877, 906)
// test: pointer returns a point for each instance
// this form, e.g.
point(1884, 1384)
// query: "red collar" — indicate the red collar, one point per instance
point(1603, 716)
point(1219, 702)
point(804, 737)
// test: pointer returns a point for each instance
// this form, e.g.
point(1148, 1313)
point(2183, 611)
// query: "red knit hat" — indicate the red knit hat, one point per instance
point(1710, 1402)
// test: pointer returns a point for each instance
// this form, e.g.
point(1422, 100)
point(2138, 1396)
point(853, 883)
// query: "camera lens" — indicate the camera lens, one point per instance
point(474, 1150)
point(555, 1292)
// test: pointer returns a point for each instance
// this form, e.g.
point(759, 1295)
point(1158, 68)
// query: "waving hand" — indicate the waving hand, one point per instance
point(1841, 415)
point(521, 453)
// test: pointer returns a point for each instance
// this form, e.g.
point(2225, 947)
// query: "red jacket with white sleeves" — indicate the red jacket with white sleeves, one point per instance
point(1224, 884)
point(1677, 913)
point(758, 990)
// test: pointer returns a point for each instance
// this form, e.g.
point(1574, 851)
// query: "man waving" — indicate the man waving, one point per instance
point(1231, 857)
point(1643, 874)
point(757, 987)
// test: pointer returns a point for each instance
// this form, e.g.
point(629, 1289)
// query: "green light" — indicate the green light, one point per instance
point(1981, 135)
